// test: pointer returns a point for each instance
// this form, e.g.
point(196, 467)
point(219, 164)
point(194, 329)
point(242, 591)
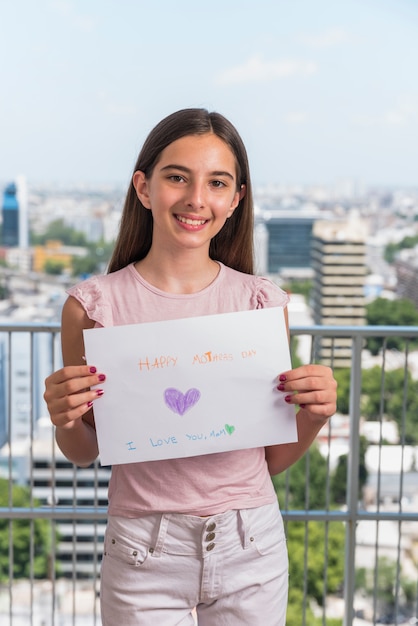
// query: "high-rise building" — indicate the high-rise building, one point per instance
point(80, 542)
point(15, 214)
point(286, 237)
point(289, 238)
point(10, 209)
point(56, 481)
point(338, 294)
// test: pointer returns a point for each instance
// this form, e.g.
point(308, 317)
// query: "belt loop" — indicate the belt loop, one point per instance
point(162, 531)
point(244, 528)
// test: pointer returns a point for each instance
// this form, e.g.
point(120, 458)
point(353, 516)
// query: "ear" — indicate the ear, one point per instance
point(140, 184)
point(238, 196)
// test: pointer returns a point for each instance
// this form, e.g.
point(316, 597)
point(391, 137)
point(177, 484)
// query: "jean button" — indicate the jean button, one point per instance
point(210, 537)
point(210, 547)
point(211, 527)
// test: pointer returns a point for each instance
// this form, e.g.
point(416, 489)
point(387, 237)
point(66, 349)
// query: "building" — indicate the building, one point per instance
point(22, 403)
point(10, 211)
point(286, 235)
point(338, 294)
point(56, 252)
point(56, 481)
point(15, 214)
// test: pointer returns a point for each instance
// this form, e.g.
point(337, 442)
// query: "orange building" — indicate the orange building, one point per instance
point(55, 251)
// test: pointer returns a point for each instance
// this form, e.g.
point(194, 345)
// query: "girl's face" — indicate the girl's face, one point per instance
point(191, 192)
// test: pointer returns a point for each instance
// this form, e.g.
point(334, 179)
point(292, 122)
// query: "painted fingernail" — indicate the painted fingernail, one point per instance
point(280, 387)
point(288, 398)
point(93, 369)
point(99, 392)
point(302, 406)
point(282, 377)
point(102, 377)
point(90, 404)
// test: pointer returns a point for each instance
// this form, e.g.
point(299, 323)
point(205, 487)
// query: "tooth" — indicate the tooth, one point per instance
point(188, 220)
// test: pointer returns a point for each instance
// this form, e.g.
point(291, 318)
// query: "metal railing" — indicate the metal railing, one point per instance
point(56, 512)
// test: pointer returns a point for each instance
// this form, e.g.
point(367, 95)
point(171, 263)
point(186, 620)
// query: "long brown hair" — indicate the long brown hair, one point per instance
point(233, 245)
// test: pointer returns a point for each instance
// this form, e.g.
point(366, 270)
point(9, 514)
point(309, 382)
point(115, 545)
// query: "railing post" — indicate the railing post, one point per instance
point(352, 481)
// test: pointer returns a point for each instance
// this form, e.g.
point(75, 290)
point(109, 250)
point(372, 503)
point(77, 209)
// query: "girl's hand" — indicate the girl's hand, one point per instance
point(68, 396)
point(313, 388)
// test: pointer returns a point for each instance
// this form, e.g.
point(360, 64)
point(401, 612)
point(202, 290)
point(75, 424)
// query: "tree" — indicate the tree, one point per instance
point(393, 395)
point(58, 231)
point(385, 591)
point(325, 557)
point(302, 287)
point(21, 530)
point(94, 262)
point(55, 268)
point(292, 488)
point(383, 312)
point(4, 292)
point(392, 249)
point(343, 377)
point(339, 477)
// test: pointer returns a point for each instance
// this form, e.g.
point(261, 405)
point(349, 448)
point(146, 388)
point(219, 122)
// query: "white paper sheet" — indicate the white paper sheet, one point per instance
point(191, 386)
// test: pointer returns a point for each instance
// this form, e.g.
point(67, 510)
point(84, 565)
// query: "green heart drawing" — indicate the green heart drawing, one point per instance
point(229, 429)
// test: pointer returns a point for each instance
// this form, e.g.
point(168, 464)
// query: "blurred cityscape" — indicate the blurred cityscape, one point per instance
point(337, 250)
point(50, 237)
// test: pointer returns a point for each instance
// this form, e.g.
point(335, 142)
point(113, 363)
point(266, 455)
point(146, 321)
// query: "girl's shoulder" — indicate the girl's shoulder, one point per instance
point(263, 291)
point(97, 293)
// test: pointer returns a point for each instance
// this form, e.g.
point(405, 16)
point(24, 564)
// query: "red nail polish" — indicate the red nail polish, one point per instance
point(288, 398)
point(93, 369)
point(99, 392)
point(302, 406)
point(90, 404)
point(102, 377)
point(280, 387)
point(282, 377)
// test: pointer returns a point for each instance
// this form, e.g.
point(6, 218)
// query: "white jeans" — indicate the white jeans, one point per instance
point(232, 567)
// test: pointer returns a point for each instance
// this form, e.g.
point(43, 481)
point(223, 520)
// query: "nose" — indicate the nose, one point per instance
point(196, 196)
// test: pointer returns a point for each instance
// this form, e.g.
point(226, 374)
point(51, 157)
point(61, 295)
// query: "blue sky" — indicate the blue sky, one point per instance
point(322, 91)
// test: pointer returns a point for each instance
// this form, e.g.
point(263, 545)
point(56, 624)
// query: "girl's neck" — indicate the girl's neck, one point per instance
point(186, 275)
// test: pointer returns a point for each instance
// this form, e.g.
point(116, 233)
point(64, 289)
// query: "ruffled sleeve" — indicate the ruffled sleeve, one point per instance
point(92, 297)
point(269, 295)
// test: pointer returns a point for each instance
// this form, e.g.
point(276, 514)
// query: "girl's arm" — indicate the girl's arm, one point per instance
point(67, 391)
point(314, 389)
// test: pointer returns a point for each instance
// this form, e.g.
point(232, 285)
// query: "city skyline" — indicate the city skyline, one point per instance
point(321, 92)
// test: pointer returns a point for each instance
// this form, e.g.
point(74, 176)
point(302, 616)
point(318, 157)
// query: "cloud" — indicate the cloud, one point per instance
point(401, 114)
point(258, 70)
point(326, 39)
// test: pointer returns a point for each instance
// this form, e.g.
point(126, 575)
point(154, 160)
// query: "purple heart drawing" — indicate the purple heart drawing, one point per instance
point(181, 402)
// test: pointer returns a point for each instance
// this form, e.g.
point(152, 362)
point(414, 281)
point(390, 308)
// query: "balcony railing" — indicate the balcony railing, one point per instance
point(52, 514)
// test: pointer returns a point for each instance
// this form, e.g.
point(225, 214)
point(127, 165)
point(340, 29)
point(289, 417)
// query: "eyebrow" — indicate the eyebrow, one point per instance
point(186, 170)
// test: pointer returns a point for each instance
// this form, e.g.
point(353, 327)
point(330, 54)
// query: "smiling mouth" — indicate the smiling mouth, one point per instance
point(190, 221)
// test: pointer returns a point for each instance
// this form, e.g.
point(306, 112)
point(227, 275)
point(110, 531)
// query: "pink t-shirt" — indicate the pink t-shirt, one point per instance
point(202, 485)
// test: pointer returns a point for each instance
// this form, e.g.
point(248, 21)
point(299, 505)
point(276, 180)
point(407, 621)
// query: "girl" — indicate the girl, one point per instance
point(200, 532)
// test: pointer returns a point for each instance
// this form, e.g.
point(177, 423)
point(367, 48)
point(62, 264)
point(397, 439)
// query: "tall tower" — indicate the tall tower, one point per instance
point(339, 264)
point(10, 211)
